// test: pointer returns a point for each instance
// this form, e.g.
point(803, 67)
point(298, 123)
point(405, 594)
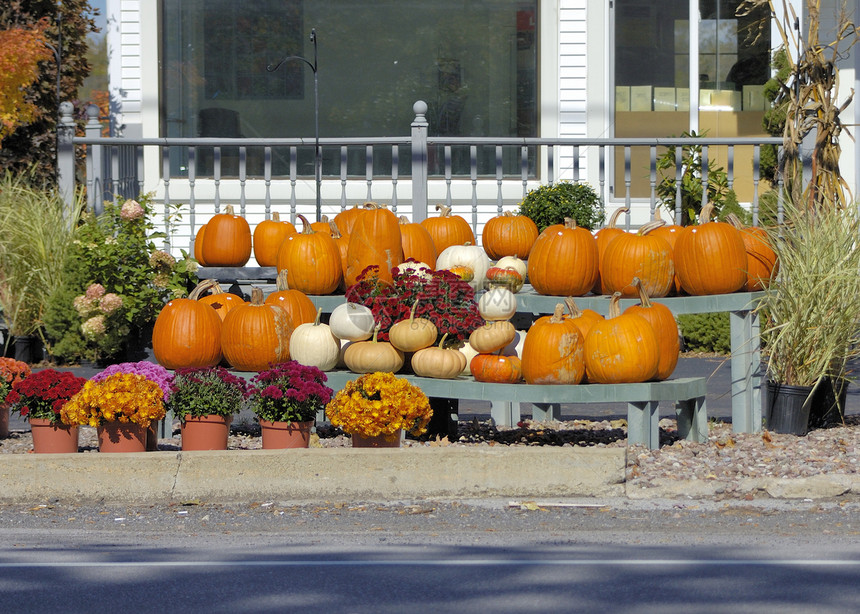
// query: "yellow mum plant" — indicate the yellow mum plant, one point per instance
point(122, 397)
point(380, 404)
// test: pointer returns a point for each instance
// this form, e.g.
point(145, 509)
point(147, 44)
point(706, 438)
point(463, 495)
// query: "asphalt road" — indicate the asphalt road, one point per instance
point(424, 556)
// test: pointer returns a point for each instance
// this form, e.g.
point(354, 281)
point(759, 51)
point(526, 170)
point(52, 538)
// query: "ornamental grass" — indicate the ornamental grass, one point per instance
point(121, 397)
point(380, 404)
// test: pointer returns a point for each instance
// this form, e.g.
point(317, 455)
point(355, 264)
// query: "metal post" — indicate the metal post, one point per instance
point(317, 151)
point(419, 161)
point(66, 153)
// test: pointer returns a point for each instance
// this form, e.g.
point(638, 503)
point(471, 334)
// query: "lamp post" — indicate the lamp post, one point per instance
point(317, 152)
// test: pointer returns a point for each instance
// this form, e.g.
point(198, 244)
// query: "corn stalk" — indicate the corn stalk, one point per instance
point(812, 108)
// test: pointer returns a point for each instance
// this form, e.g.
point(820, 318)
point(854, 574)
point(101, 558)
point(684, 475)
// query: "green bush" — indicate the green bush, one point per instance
point(706, 332)
point(550, 204)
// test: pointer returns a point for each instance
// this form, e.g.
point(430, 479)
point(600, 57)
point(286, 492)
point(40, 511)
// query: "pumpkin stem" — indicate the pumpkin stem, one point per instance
point(371, 205)
point(613, 219)
point(649, 226)
point(614, 305)
point(335, 231)
point(229, 210)
point(317, 319)
point(256, 296)
point(306, 225)
point(569, 222)
point(508, 214)
point(442, 341)
point(202, 287)
point(644, 299)
point(281, 281)
point(403, 219)
point(558, 314)
point(572, 307)
point(276, 217)
point(375, 333)
point(657, 216)
point(705, 214)
point(412, 311)
point(444, 211)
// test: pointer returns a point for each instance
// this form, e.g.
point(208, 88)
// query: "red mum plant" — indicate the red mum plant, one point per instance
point(289, 392)
point(443, 298)
point(42, 394)
point(11, 371)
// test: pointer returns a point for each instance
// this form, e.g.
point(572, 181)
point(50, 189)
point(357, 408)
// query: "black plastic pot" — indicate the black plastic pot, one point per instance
point(788, 408)
point(828, 403)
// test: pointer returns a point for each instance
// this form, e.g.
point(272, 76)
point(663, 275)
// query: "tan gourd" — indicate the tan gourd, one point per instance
point(438, 361)
point(413, 334)
point(371, 356)
point(492, 336)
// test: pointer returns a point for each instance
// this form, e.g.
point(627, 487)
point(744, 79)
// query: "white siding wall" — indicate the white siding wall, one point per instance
point(126, 60)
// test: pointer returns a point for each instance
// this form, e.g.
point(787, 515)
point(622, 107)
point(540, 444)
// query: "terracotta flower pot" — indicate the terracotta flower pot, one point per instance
point(122, 437)
point(50, 438)
point(379, 441)
point(284, 435)
point(4, 421)
point(206, 432)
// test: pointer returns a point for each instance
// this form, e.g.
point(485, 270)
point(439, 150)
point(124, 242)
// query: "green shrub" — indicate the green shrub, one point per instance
point(706, 332)
point(550, 204)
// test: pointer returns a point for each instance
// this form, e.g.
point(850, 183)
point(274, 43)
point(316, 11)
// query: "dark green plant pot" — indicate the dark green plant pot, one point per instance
point(26, 348)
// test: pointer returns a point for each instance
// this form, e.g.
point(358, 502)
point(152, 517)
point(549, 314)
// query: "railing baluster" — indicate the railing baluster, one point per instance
point(395, 169)
point(704, 175)
point(448, 175)
point(192, 175)
point(165, 173)
point(267, 177)
point(524, 170)
point(576, 163)
point(294, 156)
point(550, 164)
point(368, 170)
point(627, 183)
point(243, 169)
point(653, 180)
point(601, 163)
point(114, 168)
point(756, 173)
point(679, 156)
point(473, 173)
point(499, 176)
point(216, 161)
point(344, 158)
point(731, 167)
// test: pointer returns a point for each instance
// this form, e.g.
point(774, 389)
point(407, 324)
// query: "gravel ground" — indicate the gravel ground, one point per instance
point(725, 456)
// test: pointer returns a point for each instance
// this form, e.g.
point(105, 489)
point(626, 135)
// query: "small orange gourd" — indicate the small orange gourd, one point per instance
point(497, 369)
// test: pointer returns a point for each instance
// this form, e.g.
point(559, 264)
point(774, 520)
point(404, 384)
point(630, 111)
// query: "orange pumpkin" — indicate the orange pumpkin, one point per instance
point(375, 240)
point(296, 303)
point(342, 242)
point(563, 260)
point(711, 258)
point(761, 259)
point(187, 333)
point(447, 230)
point(227, 241)
point(312, 261)
point(621, 349)
point(417, 242)
point(198, 246)
point(256, 335)
point(496, 369)
point(322, 225)
point(583, 318)
point(603, 237)
point(669, 232)
point(222, 302)
point(665, 327)
point(509, 234)
point(346, 219)
point(641, 255)
point(553, 351)
point(268, 236)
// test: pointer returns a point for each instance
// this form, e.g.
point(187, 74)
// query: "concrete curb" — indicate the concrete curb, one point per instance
point(813, 487)
point(315, 474)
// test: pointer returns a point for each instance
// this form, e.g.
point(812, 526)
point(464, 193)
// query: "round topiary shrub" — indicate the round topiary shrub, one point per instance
point(551, 204)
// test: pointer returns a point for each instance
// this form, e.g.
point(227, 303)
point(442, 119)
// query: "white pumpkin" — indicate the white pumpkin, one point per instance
point(352, 322)
point(520, 266)
point(497, 304)
point(414, 267)
point(314, 345)
point(472, 256)
point(469, 352)
point(515, 347)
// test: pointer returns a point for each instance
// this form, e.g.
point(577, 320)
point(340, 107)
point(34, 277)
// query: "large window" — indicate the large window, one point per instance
point(474, 63)
point(653, 93)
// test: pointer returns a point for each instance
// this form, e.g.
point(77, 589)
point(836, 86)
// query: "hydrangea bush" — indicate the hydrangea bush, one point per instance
point(115, 282)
